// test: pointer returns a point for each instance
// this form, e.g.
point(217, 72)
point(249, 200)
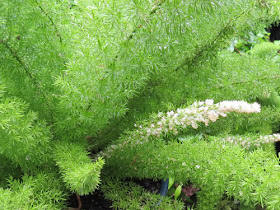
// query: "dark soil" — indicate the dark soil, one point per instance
point(274, 31)
point(97, 201)
point(93, 201)
point(148, 184)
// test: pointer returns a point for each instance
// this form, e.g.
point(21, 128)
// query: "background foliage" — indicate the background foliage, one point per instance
point(76, 76)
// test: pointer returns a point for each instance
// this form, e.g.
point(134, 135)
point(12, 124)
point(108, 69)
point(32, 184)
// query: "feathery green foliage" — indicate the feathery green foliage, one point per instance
point(132, 196)
point(78, 171)
point(76, 75)
point(43, 191)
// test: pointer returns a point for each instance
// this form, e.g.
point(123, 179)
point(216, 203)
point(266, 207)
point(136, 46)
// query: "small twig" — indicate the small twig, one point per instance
point(153, 11)
point(156, 7)
point(51, 20)
point(79, 202)
point(236, 49)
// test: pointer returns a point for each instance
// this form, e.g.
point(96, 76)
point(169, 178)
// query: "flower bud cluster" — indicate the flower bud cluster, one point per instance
point(203, 112)
point(251, 142)
point(239, 107)
point(170, 122)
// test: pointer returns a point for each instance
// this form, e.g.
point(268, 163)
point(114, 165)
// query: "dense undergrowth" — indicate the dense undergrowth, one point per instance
point(78, 76)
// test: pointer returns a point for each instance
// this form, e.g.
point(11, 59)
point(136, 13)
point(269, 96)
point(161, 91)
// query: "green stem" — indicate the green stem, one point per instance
point(30, 75)
point(51, 20)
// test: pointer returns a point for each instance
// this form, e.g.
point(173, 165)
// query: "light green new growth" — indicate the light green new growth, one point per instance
point(77, 75)
point(78, 172)
point(24, 139)
point(43, 191)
